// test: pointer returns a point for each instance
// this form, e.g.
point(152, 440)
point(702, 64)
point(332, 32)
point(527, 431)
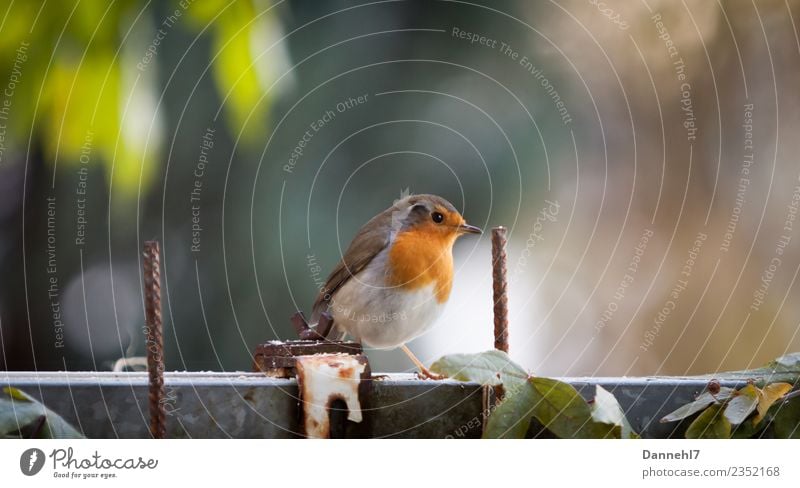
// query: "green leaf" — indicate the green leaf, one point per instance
point(742, 404)
point(564, 412)
point(18, 410)
point(15, 394)
point(711, 424)
point(58, 428)
point(769, 395)
point(561, 409)
point(512, 417)
point(785, 368)
point(746, 429)
point(488, 368)
point(702, 401)
point(786, 421)
point(606, 410)
point(787, 363)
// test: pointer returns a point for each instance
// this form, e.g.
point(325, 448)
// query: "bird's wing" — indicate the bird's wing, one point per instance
point(370, 240)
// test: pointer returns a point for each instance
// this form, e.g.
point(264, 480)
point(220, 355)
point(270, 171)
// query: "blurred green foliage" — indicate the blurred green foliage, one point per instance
point(87, 82)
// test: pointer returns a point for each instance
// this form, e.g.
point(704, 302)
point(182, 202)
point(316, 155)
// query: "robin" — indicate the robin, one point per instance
point(394, 280)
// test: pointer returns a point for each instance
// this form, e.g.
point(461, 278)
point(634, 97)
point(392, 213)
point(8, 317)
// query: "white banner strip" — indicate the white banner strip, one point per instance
point(401, 463)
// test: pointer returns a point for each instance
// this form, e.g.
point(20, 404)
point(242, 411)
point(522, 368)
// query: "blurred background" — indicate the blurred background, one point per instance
point(644, 156)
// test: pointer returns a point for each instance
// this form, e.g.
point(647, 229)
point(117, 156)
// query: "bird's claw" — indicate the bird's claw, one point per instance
point(426, 374)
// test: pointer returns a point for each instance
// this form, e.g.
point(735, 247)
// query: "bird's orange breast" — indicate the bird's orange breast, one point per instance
point(418, 258)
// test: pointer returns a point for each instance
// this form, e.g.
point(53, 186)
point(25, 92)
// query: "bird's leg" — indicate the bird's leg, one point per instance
point(423, 371)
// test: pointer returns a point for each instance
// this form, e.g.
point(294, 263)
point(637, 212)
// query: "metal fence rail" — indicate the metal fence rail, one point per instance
point(251, 405)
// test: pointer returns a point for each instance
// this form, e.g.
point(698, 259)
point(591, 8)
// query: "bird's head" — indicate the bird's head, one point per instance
point(431, 216)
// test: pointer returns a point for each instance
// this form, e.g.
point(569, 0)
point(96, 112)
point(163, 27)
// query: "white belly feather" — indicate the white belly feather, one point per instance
point(380, 316)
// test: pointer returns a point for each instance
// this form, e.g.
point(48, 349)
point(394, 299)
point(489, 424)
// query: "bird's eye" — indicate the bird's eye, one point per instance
point(437, 217)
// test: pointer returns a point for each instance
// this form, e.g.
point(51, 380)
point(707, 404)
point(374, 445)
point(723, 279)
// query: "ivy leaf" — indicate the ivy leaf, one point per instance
point(18, 410)
point(785, 368)
point(769, 395)
point(561, 409)
point(564, 412)
point(16, 394)
point(742, 404)
point(788, 363)
point(786, 421)
point(57, 428)
point(711, 424)
point(702, 401)
point(512, 417)
point(488, 368)
point(606, 410)
point(746, 429)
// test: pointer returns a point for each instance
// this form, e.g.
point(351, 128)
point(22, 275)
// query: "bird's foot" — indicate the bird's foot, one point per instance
point(426, 374)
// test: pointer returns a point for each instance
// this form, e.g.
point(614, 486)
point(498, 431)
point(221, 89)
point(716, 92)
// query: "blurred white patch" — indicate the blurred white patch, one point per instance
point(90, 322)
point(467, 324)
point(142, 125)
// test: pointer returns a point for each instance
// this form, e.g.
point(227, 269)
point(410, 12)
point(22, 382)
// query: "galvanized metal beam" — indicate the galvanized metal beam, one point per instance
point(251, 405)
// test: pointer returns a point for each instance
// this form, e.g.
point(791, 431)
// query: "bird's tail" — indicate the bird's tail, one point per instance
point(336, 333)
point(321, 305)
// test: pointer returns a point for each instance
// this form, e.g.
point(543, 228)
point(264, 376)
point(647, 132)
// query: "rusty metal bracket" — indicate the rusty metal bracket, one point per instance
point(329, 374)
point(326, 379)
point(278, 358)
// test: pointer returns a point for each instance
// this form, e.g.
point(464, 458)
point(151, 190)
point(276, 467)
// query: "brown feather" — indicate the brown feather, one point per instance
point(371, 239)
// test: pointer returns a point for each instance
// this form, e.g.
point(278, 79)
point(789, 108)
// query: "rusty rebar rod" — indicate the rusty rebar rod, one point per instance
point(500, 288)
point(154, 339)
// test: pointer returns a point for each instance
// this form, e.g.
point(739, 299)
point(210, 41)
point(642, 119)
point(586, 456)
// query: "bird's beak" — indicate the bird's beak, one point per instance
point(469, 229)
